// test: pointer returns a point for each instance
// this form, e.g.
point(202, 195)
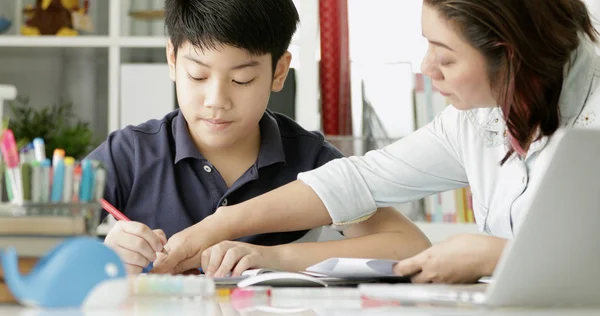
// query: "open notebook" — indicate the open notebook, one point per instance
point(334, 271)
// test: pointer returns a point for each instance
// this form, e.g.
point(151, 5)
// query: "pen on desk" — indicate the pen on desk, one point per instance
point(44, 184)
point(26, 181)
point(8, 185)
point(36, 181)
point(87, 181)
point(39, 148)
point(76, 183)
point(59, 154)
point(30, 152)
point(68, 182)
point(58, 180)
point(10, 153)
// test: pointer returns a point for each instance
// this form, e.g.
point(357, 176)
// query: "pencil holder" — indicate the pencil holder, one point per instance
point(49, 219)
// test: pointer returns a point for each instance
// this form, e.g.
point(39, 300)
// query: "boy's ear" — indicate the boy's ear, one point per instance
point(281, 72)
point(171, 59)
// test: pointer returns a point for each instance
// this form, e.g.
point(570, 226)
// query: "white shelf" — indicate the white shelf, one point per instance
point(55, 41)
point(143, 42)
point(437, 232)
point(82, 41)
point(7, 92)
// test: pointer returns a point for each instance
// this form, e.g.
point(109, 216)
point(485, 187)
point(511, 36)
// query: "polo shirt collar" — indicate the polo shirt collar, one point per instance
point(271, 146)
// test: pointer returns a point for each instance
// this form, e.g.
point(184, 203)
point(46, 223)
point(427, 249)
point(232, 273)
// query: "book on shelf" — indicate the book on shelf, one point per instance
point(453, 206)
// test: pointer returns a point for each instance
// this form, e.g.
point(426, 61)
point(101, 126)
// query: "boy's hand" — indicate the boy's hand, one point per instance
point(135, 243)
point(185, 248)
point(237, 257)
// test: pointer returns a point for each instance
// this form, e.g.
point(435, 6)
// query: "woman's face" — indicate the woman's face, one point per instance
point(456, 68)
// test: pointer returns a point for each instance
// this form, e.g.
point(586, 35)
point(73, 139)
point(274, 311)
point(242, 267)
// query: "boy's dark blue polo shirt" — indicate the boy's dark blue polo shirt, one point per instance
point(157, 176)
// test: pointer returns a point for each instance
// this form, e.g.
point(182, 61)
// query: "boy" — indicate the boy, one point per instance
point(222, 146)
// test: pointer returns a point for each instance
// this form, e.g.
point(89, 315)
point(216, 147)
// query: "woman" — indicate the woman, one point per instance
point(515, 71)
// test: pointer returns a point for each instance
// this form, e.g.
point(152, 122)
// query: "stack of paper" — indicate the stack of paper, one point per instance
point(331, 272)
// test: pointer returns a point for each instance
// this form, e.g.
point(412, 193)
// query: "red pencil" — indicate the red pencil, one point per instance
point(113, 210)
point(118, 215)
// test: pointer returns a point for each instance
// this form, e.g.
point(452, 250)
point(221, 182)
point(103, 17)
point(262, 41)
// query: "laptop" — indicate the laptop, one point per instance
point(554, 259)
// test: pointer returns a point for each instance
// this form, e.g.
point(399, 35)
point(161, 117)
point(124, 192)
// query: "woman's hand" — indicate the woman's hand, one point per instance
point(185, 247)
point(237, 257)
point(460, 259)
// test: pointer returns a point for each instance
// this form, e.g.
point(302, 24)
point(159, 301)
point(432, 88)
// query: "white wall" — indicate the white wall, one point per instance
point(22, 68)
point(305, 47)
point(594, 7)
point(386, 31)
point(48, 74)
point(385, 47)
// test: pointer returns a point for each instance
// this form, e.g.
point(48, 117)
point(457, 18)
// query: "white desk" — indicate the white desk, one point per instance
point(278, 306)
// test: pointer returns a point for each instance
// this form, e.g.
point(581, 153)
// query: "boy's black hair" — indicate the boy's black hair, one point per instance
point(258, 26)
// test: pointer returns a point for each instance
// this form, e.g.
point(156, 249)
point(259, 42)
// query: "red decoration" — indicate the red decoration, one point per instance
point(335, 68)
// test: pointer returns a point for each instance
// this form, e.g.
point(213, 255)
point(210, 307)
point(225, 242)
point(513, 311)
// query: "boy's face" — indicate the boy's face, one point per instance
point(223, 93)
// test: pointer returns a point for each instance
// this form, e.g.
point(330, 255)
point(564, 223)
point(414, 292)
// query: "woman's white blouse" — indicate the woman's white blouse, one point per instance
point(458, 148)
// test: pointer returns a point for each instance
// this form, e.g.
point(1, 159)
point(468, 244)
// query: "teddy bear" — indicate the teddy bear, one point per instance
point(50, 17)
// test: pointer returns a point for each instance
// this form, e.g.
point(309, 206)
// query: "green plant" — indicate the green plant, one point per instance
point(56, 124)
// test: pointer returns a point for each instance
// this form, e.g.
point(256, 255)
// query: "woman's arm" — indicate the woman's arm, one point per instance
point(402, 239)
point(349, 190)
point(344, 191)
point(294, 206)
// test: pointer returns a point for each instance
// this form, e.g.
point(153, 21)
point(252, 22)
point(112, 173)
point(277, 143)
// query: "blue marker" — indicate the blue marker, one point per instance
point(58, 181)
point(87, 181)
point(148, 268)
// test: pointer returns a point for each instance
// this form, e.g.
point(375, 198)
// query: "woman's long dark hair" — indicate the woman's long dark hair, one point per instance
point(527, 44)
